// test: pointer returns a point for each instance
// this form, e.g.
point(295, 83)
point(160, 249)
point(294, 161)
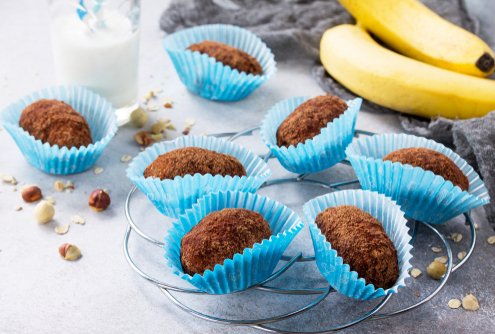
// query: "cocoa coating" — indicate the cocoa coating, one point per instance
point(219, 236)
point(56, 123)
point(436, 162)
point(363, 244)
point(228, 55)
point(307, 120)
point(192, 160)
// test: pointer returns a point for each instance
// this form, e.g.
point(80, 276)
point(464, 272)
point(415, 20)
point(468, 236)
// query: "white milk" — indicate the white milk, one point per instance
point(105, 61)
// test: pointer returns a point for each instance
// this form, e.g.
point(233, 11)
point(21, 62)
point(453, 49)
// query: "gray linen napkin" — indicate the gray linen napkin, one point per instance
point(293, 29)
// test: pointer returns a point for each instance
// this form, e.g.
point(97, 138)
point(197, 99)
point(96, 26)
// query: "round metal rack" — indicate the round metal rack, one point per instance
point(261, 324)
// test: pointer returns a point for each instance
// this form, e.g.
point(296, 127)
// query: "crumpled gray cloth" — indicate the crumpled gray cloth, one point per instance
point(293, 29)
point(474, 141)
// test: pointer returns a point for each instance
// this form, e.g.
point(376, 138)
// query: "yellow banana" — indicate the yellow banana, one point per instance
point(412, 29)
point(384, 77)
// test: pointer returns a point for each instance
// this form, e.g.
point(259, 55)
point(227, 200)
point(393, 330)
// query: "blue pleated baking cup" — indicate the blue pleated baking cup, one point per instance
point(209, 78)
point(97, 111)
point(255, 264)
point(421, 194)
point(319, 153)
point(173, 197)
point(331, 266)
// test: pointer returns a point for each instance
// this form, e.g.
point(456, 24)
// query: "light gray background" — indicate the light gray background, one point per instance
point(100, 293)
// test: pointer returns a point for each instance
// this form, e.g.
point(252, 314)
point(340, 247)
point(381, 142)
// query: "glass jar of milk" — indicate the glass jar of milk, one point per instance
point(96, 45)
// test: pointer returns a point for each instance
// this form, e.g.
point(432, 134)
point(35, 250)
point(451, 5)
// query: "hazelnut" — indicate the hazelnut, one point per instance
point(158, 128)
point(44, 212)
point(69, 252)
point(59, 185)
point(436, 269)
point(143, 138)
point(139, 117)
point(31, 194)
point(99, 200)
point(470, 303)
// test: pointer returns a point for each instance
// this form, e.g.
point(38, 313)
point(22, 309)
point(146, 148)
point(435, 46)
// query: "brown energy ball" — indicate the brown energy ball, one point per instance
point(431, 160)
point(192, 160)
point(361, 241)
point(228, 55)
point(307, 120)
point(219, 236)
point(56, 123)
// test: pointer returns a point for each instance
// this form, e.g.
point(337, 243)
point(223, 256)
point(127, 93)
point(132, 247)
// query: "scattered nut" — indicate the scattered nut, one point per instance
point(186, 131)
point(157, 137)
point(436, 249)
point(436, 269)
point(59, 185)
point(163, 120)
point(167, 105)
point(77, 219)
point(68, 191)
point(143, 138)
point(415, 272)
point(98, 170)
point(99, 200)
point(190, 122)
point(7, 178)
point(31, 194)
point(456, 237)
point(50, 200)
point(62, 229)
point(461, 255)
point(153, 108)
point(14, 189)
point(416, 293)
point(171, 127)
point(168, 100)
point(69, 184)
point(442, 259)
point(454, 303)
point(44, 212)
point(470, 303)
point(139, 117)
point(476, 227)
point(18, 208)
point(69, 252)
point(491, 240)
point(158, 128)
point(126, 158)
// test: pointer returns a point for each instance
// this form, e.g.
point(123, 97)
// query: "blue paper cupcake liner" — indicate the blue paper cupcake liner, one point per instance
point(252, 266)
point(421, 194)
point(319, 153)
point(99, 114)
point(331, 266)
point(173, 197)
point(209, 78)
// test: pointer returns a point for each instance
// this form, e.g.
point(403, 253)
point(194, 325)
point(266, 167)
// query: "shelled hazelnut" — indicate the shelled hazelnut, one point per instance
point(31, 194)
point(99, 200)
point(436, 269)
point(44, 212)
point(69, 252)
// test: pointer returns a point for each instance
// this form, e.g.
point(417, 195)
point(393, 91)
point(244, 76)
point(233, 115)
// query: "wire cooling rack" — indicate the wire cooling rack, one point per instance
point(322, 293)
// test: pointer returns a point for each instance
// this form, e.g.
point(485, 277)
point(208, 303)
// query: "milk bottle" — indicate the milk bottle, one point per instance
point(99, 49)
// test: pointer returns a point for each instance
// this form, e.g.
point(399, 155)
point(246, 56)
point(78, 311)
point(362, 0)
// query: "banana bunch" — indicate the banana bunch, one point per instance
point(439, 74)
